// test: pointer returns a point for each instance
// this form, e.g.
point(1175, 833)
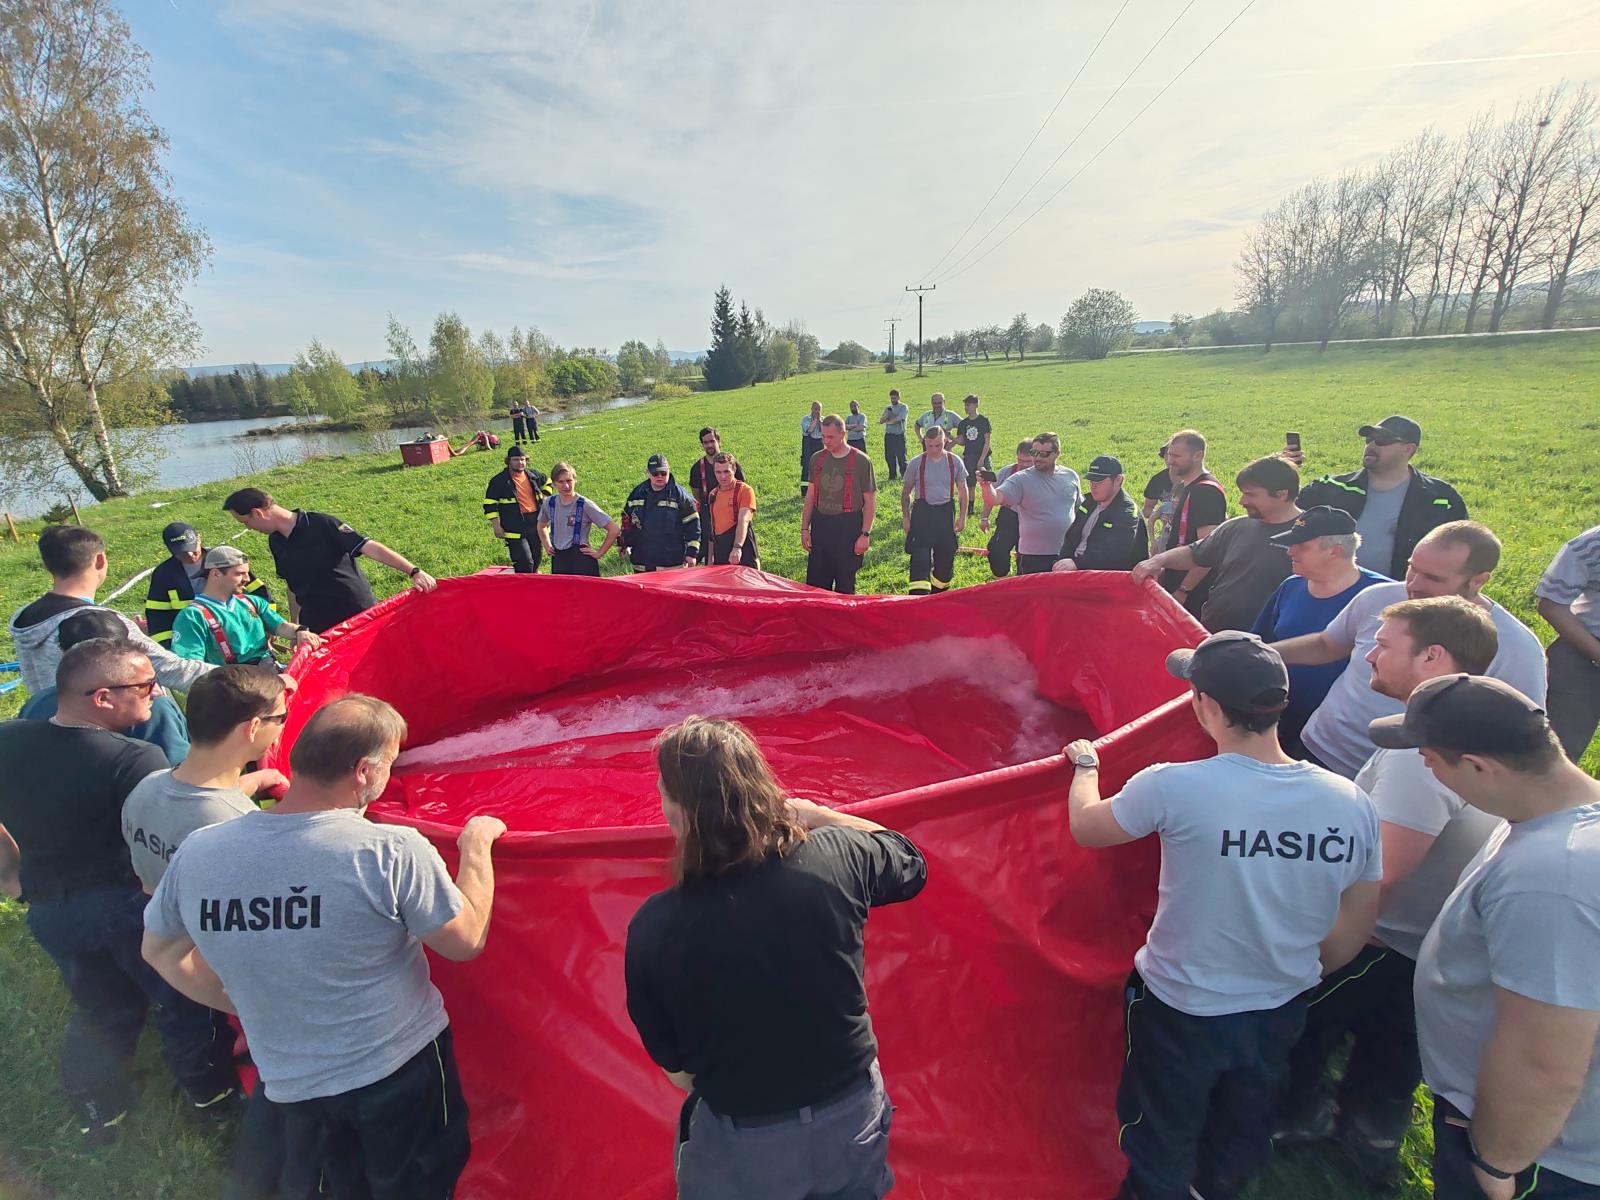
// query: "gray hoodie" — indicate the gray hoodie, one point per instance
point(38, 652)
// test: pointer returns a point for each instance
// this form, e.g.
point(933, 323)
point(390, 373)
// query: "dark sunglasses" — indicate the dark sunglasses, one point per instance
point(1383, 441)
point(144, 689)
point(659, 474)
point(279, 718)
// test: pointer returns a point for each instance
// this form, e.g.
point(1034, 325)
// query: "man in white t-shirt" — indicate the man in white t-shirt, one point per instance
point(1429, 835)
point(1269, 880)
point(1456, 559)
point(1508, 978)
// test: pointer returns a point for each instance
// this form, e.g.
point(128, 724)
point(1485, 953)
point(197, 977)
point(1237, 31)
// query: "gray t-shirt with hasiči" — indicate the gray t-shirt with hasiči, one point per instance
point(930, 480)
point(1525, 919)
point(1379, 518)
point(1337, 732)
point(1046, 504)
point(563, 517)
point(1407, 794)
point(1245, 568)
point(312, 921)
point(1254, 860)
point(162, 811)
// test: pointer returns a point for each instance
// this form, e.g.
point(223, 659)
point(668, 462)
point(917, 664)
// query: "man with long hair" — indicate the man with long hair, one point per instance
point(745, 979)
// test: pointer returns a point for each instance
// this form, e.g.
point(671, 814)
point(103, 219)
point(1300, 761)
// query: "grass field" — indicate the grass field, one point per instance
point(1513, 424)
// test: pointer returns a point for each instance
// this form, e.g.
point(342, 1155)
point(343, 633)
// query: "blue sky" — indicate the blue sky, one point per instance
point(599, 168)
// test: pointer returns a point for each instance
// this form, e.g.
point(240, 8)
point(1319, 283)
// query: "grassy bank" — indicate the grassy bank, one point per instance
point(1510, 422)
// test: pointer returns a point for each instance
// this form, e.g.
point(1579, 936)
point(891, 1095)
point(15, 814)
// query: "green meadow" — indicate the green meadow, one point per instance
point(1511, 422)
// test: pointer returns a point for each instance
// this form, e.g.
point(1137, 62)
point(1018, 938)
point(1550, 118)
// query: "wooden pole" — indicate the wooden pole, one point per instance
point(12, 526)
point(75, 517)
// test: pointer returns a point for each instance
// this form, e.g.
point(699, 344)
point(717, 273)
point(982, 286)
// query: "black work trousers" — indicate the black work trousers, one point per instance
point(932, 546)
point(404, 1137)
point(1370, 998)
point(810, 447)
point(833, 561)
point(1002, 542)
point(519, 426)
point(573, 561)
point(525, 551)
point(1197, 1095)
point(1454, 1179)
point(894, 454)
point(1036, 564)
point(722, 547)
point(93, 937)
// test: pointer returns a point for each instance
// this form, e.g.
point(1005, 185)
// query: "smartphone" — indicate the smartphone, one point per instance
point(1292, 440)
point(986, 473)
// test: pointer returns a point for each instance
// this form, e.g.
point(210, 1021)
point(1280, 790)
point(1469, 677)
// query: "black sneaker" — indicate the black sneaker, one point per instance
point(1307, 1127)
point(212, 1111)
point(97, 1127)
point(1375, 1157)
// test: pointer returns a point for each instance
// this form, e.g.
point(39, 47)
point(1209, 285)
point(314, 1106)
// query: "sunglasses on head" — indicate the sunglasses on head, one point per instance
point(144, 688)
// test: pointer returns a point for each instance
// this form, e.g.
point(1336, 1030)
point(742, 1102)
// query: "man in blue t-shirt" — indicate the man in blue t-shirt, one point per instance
point(1269, 880)
point(1322, 546)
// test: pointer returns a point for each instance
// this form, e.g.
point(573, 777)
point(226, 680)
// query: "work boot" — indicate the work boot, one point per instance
point(1375, 1154)
point(98, 1126)
point(1306, 1124)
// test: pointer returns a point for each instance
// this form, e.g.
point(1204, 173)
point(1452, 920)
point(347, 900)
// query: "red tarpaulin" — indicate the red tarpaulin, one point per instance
point(995, 994)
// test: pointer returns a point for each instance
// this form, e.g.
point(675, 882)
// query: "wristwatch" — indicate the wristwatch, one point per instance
point(414, 572)
point(1085, 760)
point(1477, 1160)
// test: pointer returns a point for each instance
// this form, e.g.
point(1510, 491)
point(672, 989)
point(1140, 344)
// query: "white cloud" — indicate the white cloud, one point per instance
point(622, 160)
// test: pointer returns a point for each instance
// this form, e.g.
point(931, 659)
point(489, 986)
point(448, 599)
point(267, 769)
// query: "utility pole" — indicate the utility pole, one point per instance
point(891, 323)
point(919, 291)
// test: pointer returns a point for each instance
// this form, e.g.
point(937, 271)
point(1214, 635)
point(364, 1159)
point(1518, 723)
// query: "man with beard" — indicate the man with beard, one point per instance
point(1045, 498)
point(1456, 559)
point(1429, 835)
point(1394, 504)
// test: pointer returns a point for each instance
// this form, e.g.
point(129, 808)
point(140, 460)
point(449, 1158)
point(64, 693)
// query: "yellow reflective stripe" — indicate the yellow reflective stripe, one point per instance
point(164, 636)
point(510, 535)
point(160, 605)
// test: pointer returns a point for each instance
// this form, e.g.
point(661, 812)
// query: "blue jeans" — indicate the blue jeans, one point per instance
point(833, 1151)
point(93, 938)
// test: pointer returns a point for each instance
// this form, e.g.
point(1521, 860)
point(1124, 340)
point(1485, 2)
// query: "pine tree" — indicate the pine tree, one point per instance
point(723, 369)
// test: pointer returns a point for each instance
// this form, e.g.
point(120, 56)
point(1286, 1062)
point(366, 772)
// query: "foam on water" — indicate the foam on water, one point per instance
point(750, 692)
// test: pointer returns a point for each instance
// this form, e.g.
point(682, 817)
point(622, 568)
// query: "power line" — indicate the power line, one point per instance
point(1247, 7)
point(1075, 138)
point(1048, 118)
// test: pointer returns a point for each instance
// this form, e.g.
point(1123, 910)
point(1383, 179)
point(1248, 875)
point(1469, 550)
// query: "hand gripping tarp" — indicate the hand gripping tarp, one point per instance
point(996, 994)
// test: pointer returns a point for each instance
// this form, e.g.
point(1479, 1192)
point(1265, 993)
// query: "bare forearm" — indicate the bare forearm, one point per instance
point(1083, 792)
point(192, 975)
point(475, 882)
point(1310, 650)
point(1572, 630)
point(1521, 1105)
point(379, 553)
point(10, 865)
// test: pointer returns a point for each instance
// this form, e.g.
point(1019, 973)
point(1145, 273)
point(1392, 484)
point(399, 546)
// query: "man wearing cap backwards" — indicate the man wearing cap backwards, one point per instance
point(1108, 534)
point(1269, 880)
point(660, 521)
point(1456, 559)
point(1394, 504)
point(933, 511)
point(176, 578)
point(1322, 547)
point(1508, 977)
point(1046, 502)
point(1429, 834)
point(511, 503)
point(224, 625)
point(1244, 561)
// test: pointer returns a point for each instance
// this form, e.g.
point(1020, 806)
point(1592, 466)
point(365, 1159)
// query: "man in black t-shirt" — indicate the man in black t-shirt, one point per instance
point(973, 436)
point(745, 981)
point(62, 784)
point(316, 558)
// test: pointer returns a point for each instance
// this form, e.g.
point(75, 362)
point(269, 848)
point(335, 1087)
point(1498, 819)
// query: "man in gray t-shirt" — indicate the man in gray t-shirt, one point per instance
point(933, 512)
point(309, 922)
point(1269, 878)
point(1569, 598)
point(1046, 503)
point(1429, 835)
point(1508, 979)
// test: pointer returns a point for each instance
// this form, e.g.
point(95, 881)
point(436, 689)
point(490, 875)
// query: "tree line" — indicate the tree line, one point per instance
point(1443, 235)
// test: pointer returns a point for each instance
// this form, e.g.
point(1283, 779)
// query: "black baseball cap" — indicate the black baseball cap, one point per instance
point(657, 462)
point(91, 623)
point(516, 452)
point(1235, 668)
point(1468, 714)
point(1321, 521)
point(1393, 429)
point(181, 538)
point(1104, 467)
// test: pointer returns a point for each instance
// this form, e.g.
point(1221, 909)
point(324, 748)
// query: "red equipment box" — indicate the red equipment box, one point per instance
point(424, 454)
